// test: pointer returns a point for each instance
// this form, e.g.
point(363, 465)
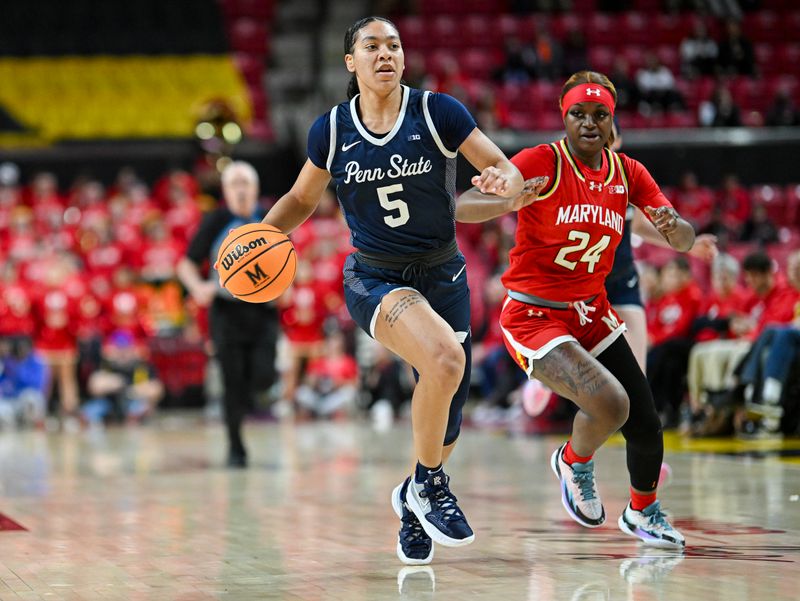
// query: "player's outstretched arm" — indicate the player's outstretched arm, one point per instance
point(678, 232)
point(705, 245)
point(474, 207)
point(297, 205)
point(499, 180)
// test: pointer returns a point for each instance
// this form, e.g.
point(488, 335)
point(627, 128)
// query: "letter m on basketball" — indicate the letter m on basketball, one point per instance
point(256, 275)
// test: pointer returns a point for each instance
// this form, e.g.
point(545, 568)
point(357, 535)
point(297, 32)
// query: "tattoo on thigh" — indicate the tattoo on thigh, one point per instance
point(393, 314)
point(579, 375)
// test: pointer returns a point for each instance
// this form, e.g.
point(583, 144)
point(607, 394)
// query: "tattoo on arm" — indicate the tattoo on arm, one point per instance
point(393, 314)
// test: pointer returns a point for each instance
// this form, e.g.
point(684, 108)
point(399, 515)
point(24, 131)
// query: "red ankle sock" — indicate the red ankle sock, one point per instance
point(639, 500)
point(571, 457)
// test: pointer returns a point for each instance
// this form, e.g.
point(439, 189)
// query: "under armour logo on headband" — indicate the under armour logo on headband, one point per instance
point(592, 91)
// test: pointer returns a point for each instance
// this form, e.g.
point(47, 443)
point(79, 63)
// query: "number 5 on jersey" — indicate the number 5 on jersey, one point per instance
point(591, 256)
point(396, 204)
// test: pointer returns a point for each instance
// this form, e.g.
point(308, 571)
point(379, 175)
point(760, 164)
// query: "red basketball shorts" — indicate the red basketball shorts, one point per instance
point(532, 331)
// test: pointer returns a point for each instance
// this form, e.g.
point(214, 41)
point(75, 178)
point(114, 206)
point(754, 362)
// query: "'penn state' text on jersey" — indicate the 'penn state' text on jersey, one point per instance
point(397, 190)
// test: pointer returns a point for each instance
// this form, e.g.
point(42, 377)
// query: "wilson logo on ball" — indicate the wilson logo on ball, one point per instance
point(241, 250)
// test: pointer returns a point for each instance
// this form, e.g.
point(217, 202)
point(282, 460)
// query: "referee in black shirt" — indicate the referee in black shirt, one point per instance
point(244, 334)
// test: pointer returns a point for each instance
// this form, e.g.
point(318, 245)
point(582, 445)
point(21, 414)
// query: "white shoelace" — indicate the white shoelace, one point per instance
point(583, 311)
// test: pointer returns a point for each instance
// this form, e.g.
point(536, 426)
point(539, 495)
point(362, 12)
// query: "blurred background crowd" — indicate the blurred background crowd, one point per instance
point(95, 327)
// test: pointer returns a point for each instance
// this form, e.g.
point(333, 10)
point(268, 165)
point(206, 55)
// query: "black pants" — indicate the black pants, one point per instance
point(667, 364)
point(244, 336)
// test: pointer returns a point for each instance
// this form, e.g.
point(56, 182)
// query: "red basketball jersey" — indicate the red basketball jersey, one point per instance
point(566, 240)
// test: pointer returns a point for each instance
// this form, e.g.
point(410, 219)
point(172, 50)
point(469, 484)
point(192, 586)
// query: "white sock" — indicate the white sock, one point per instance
point(772, 391)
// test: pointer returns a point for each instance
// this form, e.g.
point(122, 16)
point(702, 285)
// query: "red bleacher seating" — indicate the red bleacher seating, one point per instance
point(256, 9)
point(763, 26)
point(248, 35)
point(773, 199)
point(636, 27)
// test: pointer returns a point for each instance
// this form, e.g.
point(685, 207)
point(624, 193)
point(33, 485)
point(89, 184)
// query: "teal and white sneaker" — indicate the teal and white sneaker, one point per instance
point(578, 490)
point(651, 526)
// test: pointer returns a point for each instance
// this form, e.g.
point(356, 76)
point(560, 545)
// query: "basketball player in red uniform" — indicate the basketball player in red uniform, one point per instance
point(557, 321)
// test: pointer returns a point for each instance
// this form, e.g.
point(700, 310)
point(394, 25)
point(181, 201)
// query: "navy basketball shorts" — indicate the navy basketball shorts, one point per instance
point(623, 289)
point(443, 286)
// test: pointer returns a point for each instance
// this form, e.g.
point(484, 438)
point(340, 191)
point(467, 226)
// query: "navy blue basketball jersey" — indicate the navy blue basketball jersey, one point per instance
point(396, 190)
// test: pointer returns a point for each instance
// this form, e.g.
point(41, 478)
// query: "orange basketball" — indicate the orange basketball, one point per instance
point(256, 262)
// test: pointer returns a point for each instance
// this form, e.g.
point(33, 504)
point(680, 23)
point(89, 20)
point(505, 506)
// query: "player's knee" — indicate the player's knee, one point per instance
point(616, 405)
point(448, 365)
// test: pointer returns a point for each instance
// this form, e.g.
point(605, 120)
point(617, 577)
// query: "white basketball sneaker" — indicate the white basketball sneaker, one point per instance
point(651, 526)
point(578, 490)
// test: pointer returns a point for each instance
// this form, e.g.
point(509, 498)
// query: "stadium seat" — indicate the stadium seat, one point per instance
point(255, 9)
point(602, 28)
point(433, 8)
point(601, 58)
point(792, 197)
point(667, 29)
point(506, 26)
point(248, 35)
point(788, 54)
point(791, 24)
point(486, 7)
point(476, 34)
point(636, 27)
point(480, 63)
point(560, 25)
point(414, 33)
point(773, 199)
point(669, 56)
point(765, 58)
point(763, 26)
point(445, 32)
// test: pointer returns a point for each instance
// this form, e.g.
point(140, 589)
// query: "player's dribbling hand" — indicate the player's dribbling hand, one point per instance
point(530, 192)
point(491, 181)
point(204, 293)
point(705, 247)
point(665, 219)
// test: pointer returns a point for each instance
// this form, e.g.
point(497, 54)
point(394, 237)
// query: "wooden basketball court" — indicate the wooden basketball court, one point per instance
point(149, 513)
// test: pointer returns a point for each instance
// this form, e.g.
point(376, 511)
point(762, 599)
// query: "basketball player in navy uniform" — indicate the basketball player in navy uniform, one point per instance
point(244, 334)
point(391, 151)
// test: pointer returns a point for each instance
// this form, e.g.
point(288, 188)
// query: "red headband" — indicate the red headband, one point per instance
point(587, 92)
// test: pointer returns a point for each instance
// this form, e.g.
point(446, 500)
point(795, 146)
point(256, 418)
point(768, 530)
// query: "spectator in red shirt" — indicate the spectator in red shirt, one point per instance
point(101, 251)
point(734, 201)
point(16, 310)
point(670, 339)
point(693, 201)
point(712, 365)
point(56, 338)
point(44, 197)
point(770, 363)
point(303, 313)
point(331, 385)
point(725, 299)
